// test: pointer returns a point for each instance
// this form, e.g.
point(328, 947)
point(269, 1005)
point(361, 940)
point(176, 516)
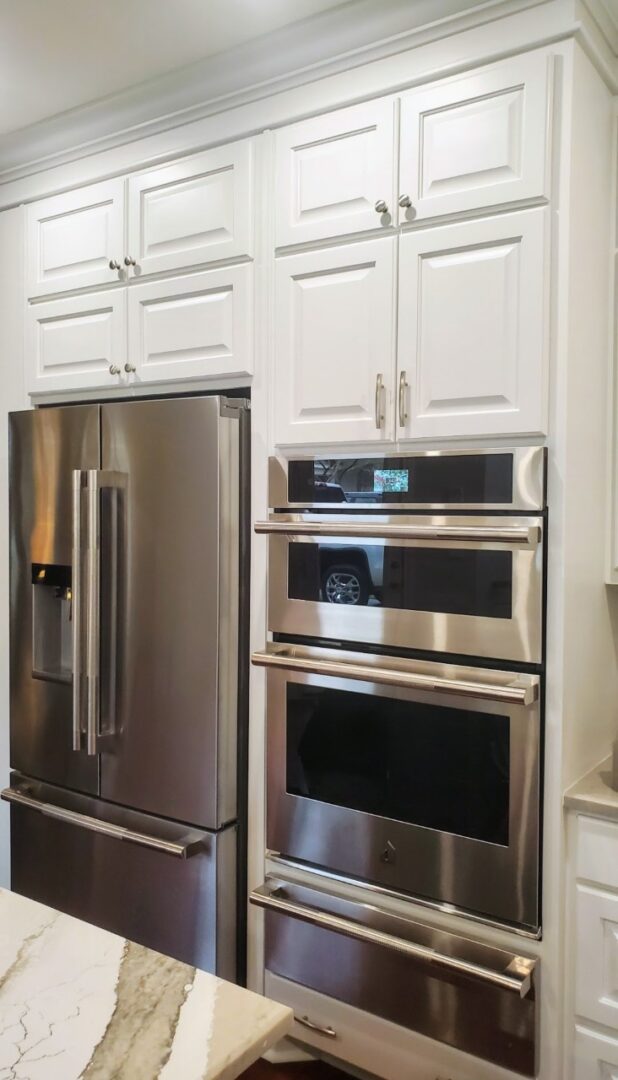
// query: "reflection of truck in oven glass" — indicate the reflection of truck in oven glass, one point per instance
point(351, 575)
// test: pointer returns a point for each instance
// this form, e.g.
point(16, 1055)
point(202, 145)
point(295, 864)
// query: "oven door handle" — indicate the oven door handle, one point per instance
point(516, 976)
point(521, 535)
point(523, 690)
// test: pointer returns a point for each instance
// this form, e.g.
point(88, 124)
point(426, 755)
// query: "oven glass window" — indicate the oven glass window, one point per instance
point(469, 582)
point(433, 766)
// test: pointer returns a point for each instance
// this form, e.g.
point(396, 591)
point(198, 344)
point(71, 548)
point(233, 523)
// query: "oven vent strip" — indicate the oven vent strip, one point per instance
point(518, 692)
point(516, 976)
point(525, 535)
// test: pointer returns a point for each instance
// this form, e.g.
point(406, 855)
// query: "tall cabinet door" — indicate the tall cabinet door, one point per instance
point(473, 328)
point(46, 446)
point(334, 362)
point(171, 610)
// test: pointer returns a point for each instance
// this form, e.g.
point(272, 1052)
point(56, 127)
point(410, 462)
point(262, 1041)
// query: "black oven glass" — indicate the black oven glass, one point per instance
point(470, 478)
point(467, 582)
point(433, 766)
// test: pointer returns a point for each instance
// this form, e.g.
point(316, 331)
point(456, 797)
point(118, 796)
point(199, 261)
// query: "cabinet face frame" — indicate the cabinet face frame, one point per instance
point(512, 100)
point(81, 318)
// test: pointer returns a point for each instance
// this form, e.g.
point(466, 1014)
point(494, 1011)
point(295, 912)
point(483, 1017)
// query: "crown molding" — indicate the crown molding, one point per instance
point(354, 34)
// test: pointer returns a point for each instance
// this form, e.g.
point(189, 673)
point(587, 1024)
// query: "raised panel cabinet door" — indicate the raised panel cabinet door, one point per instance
point(595, 1054)
point(71, 238)
point(476, 140)
point(192, 327)
point(192, 211)
point(72, 343)
point(332, 170)
point(472, 328)
point(334, 351)
point(596, 990)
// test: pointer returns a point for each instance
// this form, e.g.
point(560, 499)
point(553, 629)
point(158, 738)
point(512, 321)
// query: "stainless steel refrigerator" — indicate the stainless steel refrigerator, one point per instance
point(128, 660)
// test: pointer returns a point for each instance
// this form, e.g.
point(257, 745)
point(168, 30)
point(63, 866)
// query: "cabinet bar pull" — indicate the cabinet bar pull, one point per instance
point(526, 535)
point(319, 1030)
point(403, 386)
point(378, 402)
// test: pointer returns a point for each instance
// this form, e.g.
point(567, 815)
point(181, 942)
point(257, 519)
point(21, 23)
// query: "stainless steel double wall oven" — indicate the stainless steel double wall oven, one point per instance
point(406, 605)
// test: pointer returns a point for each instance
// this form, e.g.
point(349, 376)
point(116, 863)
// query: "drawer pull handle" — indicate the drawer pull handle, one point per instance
point(517, 976)
point(317, 1028)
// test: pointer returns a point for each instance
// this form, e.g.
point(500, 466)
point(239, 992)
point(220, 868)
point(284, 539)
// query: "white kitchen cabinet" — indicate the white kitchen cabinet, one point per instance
point(76, 342)
point(194, 326)
point(472, 328)
point(334, 352)
point(72, 238)
point(595, 1055)
point(332, 170)
point(596, 915)
point(477, 140)
point(192, 211)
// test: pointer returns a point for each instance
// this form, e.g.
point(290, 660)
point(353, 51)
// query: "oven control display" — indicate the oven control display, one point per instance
point(391, 480)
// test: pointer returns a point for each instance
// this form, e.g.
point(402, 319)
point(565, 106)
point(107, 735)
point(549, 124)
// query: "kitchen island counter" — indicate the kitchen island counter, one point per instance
point(77, 1001)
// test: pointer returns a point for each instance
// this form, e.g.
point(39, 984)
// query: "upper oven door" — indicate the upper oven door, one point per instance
point(468, 586)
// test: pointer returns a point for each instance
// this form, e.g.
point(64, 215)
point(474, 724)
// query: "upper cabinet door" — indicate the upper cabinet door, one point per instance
point(475, 141)
point(76, 342)
point(472, 328)
point(192, 211)
point(73, 237)
point(333, 170)
point(334, 353)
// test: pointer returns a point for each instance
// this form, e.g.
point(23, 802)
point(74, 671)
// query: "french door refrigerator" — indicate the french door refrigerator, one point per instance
point(128, 653)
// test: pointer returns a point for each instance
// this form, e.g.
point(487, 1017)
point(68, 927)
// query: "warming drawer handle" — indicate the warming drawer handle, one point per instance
point(524, 691)
point(517, 975)
point(184, 848)
point(524, 535)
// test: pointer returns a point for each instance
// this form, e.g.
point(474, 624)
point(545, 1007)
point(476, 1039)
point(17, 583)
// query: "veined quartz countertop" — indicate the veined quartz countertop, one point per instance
point(593, 793)
point(76, 1001)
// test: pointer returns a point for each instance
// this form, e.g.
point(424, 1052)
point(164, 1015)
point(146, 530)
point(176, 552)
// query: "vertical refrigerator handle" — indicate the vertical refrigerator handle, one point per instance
point(76, 607)
point(93, 606)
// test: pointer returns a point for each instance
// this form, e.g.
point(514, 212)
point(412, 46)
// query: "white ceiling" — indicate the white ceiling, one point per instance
point(59, 54)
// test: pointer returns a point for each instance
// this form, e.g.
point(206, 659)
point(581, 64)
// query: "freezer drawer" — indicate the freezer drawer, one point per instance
point(432, 982)
point(155, 882)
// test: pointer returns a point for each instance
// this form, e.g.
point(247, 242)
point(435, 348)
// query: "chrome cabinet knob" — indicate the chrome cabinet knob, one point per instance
point(381, 207)
point(129, 368)
point(405, 202)
point(113, 265)
point(129, 261)
point(114, 369)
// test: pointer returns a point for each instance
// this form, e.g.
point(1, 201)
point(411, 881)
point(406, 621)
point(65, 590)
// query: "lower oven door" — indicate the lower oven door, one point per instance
point(419, 777)
point(436, 983)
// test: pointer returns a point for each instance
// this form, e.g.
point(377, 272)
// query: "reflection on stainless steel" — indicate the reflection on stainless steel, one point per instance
point(431, 981)
point(497, 879)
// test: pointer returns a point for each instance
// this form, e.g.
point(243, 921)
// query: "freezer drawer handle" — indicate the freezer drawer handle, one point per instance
point(517, 976)
point(525, 535)
point(189, 844)
point(522, 691)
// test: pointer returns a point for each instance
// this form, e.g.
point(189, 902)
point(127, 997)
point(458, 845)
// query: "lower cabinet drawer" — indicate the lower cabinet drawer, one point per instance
point(453, 990)
point(595, 1055)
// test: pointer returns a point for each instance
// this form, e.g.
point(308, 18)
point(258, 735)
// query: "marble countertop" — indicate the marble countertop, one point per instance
point(76, 1001)
point(593, 794)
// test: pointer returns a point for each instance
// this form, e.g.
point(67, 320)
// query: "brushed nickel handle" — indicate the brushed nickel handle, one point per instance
point(189, 844)
point(403, 386)
point(379, 415)
point(76, 607)
point(524, 535)
point(113, 265)
point(92, 616)
point(129, 368)
point(522, 690)
point(129, 261)
point(405, 202)
point(381, 207)
point(317, 1028)
point(114, 369)
point(516, 977)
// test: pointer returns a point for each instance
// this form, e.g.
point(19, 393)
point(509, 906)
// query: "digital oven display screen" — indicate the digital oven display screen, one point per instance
point(391, 480)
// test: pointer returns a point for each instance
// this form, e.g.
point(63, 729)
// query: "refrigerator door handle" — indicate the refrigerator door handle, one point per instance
point(76, 607)
point(187, 844)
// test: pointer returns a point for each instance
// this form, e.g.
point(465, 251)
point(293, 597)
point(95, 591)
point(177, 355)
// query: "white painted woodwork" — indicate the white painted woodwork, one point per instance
point(595, 1055)
point(597, 851)
point(72, 237)
point(332, 169)
point(71, 342)
point(472, 327)
point(334, 337)
point(476, 141)
point(193, 211)
point(194, 326)
point(596, 990)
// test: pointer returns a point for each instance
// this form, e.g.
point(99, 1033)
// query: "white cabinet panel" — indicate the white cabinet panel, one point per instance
point(597, 851)
point(596, 993)
point(72, 237)
point(334, 340)
point(198, 326)
point(472, 334)
point(192, 211)
point(331, 171)
point(595, 1055)
point(476, 141)
point(73, 342)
